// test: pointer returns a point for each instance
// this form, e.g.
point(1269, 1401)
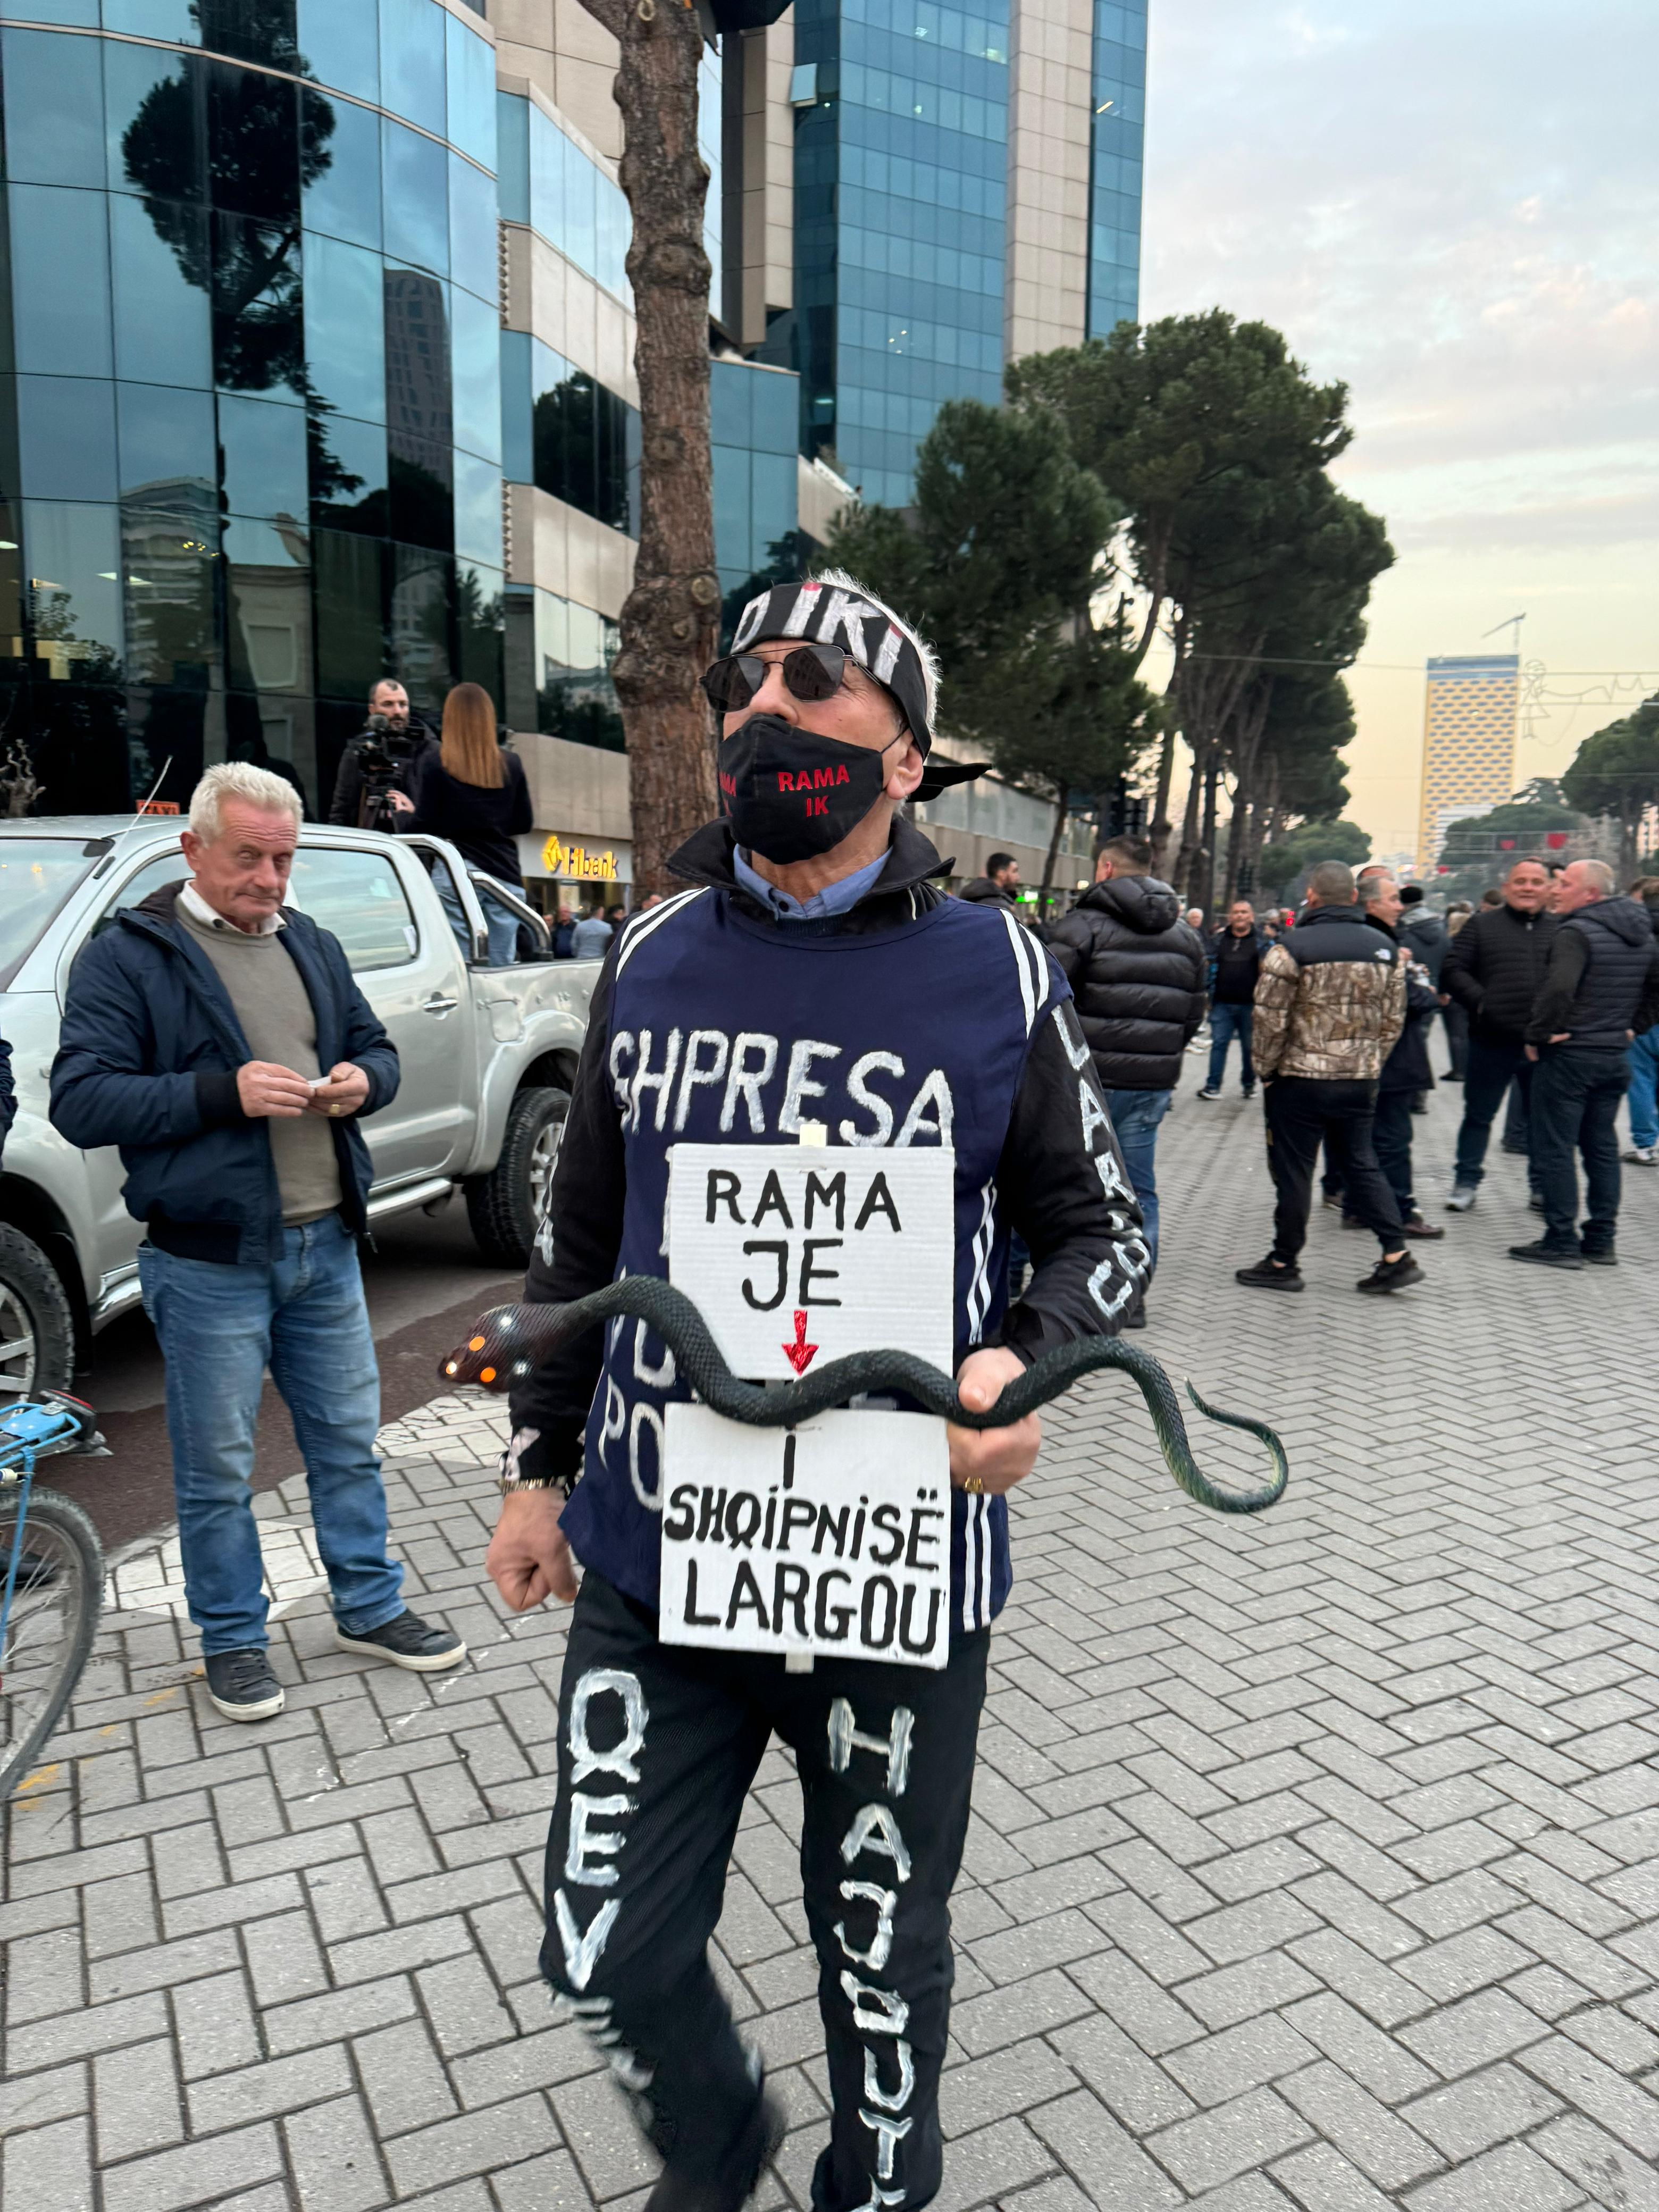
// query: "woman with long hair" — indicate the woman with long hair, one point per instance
point(474, 794)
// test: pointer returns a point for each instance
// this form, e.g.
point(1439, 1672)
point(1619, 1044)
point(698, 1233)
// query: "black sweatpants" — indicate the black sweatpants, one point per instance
point(1391, 1140)
point(657, 1746)
point(1300, 1110)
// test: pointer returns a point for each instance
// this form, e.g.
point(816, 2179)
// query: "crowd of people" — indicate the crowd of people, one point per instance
point(1549, 996)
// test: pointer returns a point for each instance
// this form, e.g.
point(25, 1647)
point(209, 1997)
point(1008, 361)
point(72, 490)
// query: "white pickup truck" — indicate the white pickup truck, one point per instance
point(488, 1056)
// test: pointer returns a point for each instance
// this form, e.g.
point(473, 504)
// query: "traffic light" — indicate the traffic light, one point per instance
point(1125, 813)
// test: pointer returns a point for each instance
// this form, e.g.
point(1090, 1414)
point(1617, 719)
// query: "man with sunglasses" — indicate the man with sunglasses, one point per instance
point(813, 974)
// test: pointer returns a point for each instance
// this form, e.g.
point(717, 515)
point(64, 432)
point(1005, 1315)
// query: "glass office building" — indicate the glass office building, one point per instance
point(901, 157)
point(256, 395)
point(251, 403)
point(1116, 134)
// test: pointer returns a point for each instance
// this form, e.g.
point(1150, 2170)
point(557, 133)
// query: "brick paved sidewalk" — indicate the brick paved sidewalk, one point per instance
point(1314, 1862)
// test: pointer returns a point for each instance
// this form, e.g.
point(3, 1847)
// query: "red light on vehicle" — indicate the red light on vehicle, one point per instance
point(1555, 839)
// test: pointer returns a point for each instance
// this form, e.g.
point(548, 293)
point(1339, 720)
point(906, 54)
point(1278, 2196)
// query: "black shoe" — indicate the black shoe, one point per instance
point(1137, 1319)
point(1600, 1255)
point(1423, 1231)
point(1451, 1075)
point(1391, 1275)
point(1421, 1103)
point(1209, 1091)
point(1536, 1203)
point(1352, 1221)
point(674, 2193)
point(1332, 1198)
point(1543, 1253)
point(1266, 1275)
point(1519, 1150)
point(242, 1686)
point(409, 1642)
point(1249, 1093)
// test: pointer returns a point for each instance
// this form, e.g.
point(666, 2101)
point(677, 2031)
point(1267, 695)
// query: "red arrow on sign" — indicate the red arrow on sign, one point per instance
point(800, 1354)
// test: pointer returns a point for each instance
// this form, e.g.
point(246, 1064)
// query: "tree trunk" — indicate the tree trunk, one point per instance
point(1061, 811)
point(670, 619)
point(1189, 820)
point(1203, 887)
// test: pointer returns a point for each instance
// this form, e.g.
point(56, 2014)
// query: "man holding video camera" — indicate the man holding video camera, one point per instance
point(381, 766)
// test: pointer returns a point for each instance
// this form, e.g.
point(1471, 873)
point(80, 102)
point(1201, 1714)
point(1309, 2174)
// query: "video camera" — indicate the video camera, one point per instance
point(383, 753)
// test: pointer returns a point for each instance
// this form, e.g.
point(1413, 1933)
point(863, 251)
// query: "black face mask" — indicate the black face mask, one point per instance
point(791, 794)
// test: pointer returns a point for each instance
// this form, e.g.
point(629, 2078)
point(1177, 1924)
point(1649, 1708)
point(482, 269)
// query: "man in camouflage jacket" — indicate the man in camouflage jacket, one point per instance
point(1330, 1003)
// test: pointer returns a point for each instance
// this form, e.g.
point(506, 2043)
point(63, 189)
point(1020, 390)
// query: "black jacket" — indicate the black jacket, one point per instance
point(8, 1093)
point(1251, 948)
point(1602, 980)
point(348, 783)
point(147, 1060)
point(1494, 967)
point(1052, 1186)
point(1407, 1066)
point(1427, 938)
point(480, 819)
point(982, 891)
point(1138, 972)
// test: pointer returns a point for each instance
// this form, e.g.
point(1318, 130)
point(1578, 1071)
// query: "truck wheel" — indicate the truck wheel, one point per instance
point(37, 1331)
point(504, 1207)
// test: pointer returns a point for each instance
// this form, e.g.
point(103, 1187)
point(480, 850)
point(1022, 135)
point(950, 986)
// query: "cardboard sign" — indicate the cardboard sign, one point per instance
point(834, 1537)
point(798, 1254)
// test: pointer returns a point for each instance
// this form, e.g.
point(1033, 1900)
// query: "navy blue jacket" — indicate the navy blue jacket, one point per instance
point(148, 1058)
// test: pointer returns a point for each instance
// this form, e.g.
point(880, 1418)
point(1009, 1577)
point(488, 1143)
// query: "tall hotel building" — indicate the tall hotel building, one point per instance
point(316, 362)
point(1469, 719)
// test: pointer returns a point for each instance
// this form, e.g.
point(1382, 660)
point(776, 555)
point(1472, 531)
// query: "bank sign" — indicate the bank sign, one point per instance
point(566, 859)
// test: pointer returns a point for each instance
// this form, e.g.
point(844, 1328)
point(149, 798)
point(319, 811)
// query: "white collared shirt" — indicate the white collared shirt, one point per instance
point(198, 909)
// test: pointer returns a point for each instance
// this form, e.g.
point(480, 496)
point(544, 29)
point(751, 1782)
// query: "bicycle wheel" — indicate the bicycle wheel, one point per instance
point(54, 1617)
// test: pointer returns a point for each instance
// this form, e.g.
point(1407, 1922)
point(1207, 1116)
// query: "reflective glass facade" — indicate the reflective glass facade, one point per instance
point(249, 403)
point(1117, 130)
point(900, 200)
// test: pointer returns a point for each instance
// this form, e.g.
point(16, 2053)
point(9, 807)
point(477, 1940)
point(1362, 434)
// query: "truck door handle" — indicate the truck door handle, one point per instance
point(439, 1004)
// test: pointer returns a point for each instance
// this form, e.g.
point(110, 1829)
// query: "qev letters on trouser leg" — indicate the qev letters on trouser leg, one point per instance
point(658, 1747)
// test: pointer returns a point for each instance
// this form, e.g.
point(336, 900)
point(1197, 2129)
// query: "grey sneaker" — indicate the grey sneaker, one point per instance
point(1643, 1156)
point(1463, 1198)
point(409, 1642)
point(241, 1685)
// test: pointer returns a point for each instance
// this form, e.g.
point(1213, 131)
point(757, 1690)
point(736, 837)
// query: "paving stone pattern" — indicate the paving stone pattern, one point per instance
point(1315, 1860)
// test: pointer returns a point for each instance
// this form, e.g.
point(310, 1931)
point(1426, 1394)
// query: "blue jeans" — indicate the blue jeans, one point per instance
point(1135, 1116)
point(1227, 1023)
point(219, 1327)
point(1645, 1090)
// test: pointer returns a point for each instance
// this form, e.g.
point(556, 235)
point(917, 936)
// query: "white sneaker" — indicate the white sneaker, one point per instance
point(1643, 1156)
point(1461, 1200)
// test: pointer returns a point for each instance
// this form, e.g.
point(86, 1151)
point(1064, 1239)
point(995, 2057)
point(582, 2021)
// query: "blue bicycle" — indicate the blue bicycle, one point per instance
point(53, 1590)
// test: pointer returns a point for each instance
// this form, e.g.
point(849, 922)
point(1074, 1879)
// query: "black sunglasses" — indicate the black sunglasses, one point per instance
point(811, 671)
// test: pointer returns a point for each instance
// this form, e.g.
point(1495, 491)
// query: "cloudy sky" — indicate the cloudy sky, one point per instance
point(1453, 206)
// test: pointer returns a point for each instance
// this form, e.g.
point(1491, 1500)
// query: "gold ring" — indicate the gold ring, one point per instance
point(973, 1484)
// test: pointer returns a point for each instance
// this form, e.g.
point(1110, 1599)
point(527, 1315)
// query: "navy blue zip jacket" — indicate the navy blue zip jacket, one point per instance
point(148, 1058)
point(912, 1019)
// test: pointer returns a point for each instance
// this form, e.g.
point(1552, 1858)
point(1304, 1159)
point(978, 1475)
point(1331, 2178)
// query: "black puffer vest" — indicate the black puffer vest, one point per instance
point(1621, 937)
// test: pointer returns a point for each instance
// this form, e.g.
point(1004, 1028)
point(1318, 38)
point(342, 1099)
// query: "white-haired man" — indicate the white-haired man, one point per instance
point(216, 1036)
point(814, 974)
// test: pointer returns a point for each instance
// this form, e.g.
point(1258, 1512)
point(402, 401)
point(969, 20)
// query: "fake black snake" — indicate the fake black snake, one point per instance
point(510, 1340)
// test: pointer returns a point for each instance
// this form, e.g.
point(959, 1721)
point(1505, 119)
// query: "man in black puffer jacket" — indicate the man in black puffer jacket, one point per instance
point(1494, 968)
point(1137, 971)
point(1600, 989)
